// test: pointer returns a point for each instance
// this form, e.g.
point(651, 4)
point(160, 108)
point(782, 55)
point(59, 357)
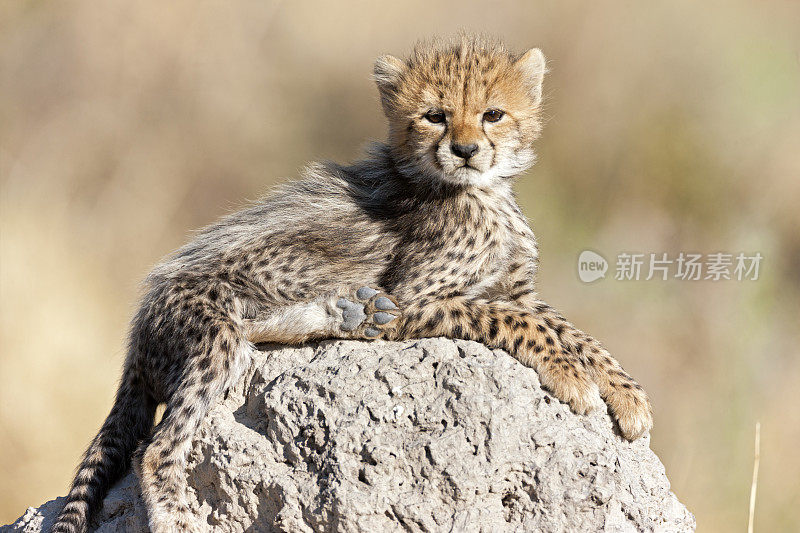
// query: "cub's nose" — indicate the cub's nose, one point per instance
point(465, 151)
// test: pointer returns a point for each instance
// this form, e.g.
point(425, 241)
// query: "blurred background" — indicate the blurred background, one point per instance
point(670, 127)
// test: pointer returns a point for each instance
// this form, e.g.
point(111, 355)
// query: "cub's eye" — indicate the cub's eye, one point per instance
point(437, 117)
point(493, 115)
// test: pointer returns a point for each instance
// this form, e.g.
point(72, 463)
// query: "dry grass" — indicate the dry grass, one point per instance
point(754, 484)
point(670, 128)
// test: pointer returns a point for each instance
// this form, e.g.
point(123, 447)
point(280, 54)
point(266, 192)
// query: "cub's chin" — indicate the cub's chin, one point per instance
point(435, 174)
point(466, 176)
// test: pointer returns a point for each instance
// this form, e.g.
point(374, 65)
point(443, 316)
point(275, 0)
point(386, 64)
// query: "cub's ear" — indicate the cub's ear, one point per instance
point(533, 67)
point(386, 74)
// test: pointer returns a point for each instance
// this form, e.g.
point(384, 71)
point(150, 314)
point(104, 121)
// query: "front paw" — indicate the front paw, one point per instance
point(569, 383)
point(368, 314)
point(632, 410)
point(573, 386)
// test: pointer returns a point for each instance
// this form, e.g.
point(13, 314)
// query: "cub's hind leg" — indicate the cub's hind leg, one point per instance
point(210, 361)
point(207, 369)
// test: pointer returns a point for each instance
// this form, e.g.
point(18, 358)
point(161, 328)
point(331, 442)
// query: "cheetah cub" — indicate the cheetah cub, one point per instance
point(422, 238)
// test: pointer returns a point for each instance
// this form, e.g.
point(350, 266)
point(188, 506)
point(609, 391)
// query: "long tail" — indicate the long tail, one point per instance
point(109, 454)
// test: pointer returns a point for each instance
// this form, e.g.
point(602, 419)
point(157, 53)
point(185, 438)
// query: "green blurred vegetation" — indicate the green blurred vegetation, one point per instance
point(670, 127)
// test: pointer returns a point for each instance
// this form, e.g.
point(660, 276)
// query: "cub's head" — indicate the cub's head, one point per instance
point(466, 113)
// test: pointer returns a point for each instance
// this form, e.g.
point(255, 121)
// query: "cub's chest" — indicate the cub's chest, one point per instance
point(464, 247)
point(484, 230)
point(485, 240)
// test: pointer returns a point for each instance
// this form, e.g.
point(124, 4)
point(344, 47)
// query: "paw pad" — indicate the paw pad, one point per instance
point(372, 332)
point(384, 304)
point(368, 311)
point(383, 318)
point(365, 293)
point(353, 314)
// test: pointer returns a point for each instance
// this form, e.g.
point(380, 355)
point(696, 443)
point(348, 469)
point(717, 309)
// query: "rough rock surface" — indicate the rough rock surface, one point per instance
point(427, 435)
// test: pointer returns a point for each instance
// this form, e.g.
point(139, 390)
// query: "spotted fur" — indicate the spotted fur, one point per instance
point(413, 241)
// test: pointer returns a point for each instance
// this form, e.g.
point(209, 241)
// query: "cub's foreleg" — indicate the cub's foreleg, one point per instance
point(627, 400)
point(538, 339)
point(514, 329)
point(625, 397)
point(360, 313)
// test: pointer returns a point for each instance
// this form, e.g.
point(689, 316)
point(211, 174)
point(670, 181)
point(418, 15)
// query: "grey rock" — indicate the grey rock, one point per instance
point(427, 435)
